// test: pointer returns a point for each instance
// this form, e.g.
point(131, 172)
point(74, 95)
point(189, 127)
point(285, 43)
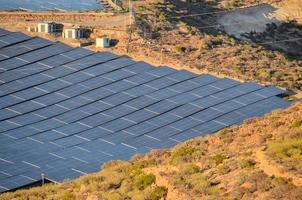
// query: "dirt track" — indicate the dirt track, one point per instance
point(106, 20)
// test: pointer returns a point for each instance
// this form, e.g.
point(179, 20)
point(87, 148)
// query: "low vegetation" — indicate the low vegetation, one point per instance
point(229, 4)
point(287, 149)
point(242, 60)
point(199, 42)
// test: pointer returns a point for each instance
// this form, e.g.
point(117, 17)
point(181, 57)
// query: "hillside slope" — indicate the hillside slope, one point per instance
point(187, 34)
point(260, 159)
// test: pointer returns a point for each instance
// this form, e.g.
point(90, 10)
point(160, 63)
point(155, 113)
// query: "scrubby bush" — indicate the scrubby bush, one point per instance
point(297, 123)
point(180, 49)
point(247, 163)
point(144, 180)
point(264, 73)
point(218, 159)
point(67, 196)
point(189, 168)
point(185, 154)
point(288, 152)
point(198, 182)
point(159, 192)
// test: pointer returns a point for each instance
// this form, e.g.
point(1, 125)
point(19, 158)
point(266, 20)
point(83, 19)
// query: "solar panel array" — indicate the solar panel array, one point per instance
point(65, 111)
point(58, 5)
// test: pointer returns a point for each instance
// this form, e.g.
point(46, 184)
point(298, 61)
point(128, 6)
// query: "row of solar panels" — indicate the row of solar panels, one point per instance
point(59, 5)
point(65, 111)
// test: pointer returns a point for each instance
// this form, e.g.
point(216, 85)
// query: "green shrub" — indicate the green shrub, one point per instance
point(159, 192)
point(144, 180)
point(227, 135)
point(264, 73)
point(247, 163)
point(116, 165)
point(198, 182)
point(112, 195)
point(240, 70)
point(180, 49)
point(268, 136)
point(288, 152)
point(67, 196)
point(218, 159)
point(136, 195)
point(126, 187)
point(223, 169)
point(189, 168)
point(136, 169)
point(183, 154)
point(162, 16)
point(297, 123)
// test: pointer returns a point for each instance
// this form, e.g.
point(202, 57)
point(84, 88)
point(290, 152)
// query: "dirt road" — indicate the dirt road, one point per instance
point(104, 20)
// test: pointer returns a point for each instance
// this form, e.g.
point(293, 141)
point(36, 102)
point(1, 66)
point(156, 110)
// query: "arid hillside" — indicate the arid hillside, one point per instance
point(260, 159)
point(187, 34)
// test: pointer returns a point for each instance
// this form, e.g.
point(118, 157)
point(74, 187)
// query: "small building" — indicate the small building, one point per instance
point(32, 29)
point(74, 33)
point(49, 27)
point(102, 42)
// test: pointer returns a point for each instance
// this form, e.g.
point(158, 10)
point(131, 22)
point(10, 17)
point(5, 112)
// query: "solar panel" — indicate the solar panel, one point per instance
point(109, 66)
point(185, 135)
point(140, 115)
point(118, 98)
point(33, 56)
point(141, 102)
point(163, 119)
point(65, 111)
point(119, 86)
point(92, 60)
point(23, 47)
point(162, 106)
point(182, 75)
point(140, 67)
point(162, 94)
point(119, 111)
point(12, 38)
point(50, 111)
point(162, 71)
point(3, 32)
point(185, 110)
point(94, 133)
point(72, 115)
